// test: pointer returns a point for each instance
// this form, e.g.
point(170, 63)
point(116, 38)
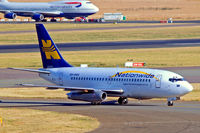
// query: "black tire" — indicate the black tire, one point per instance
point(125, 101)
point(122, 100)
point(53, 20)
point(170, 103)
point(95, 103)
point(44, 20)
point(99, 103)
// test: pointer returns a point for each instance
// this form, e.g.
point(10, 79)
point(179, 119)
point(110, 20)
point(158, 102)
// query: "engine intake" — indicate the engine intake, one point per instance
point(38, 17)
point(97, 96)
point(10, 15)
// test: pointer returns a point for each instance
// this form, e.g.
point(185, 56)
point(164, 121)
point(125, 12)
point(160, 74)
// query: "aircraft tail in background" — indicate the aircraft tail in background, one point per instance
point(3, 0)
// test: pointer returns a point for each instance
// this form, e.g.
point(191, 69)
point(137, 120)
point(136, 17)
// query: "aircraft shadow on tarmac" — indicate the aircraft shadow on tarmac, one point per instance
point(18, 104)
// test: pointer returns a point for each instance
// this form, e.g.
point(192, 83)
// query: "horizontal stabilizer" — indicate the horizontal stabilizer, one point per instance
point(31, 70)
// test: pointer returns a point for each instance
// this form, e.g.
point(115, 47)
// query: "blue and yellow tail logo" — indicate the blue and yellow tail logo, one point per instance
point(50, 50)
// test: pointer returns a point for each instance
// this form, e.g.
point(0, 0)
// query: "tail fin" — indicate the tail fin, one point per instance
point(51, 57)
point(3, 0)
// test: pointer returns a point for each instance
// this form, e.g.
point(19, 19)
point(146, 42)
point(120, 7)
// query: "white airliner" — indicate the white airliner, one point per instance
point(38, 11)
point(95, 84)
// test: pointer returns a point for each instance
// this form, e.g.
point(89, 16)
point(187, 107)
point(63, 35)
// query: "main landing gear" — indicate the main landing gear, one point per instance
point(53, 20)
point(95, 103)
point(122, 100)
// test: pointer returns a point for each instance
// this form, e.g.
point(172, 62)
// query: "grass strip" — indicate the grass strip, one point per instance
point(159, 57)
point(106, 35)
point(29, 121)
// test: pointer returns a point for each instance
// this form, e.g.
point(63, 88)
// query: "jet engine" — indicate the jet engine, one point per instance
point(94, 97)
point(10, 15)
point(38, 17)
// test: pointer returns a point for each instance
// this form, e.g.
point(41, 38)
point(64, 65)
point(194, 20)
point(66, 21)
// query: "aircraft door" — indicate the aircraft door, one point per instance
point(60, 78)
point(158, 81)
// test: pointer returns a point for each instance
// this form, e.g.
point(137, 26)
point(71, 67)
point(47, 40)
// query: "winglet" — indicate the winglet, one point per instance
point(51, 57)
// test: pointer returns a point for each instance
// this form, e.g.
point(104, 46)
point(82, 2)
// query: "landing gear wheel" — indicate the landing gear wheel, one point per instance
point(53, 20)
point(44, 20)
point(122, 100)
point(95, 103)
point(170, 103)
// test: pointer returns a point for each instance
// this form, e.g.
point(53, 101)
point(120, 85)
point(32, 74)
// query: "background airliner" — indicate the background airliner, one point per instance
point(38, 11)
point(95, 84)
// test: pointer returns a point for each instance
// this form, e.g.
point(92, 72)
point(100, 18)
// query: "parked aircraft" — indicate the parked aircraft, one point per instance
point(38, 11)
point(96, 84)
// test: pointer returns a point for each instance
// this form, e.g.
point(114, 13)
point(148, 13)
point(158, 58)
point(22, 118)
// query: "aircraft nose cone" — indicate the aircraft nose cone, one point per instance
point(96, 9)
point(188, 88)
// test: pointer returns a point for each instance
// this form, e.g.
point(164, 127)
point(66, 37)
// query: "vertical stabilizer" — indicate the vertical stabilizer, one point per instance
point(51, 57)
point(3, 0)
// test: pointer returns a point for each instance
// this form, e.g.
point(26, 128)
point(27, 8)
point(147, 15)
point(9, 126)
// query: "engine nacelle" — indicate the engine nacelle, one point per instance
point(10, 15)
point(38, 17)
point(97, 96)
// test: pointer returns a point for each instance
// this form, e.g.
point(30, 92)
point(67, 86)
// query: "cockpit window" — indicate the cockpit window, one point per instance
point(88, 2)
point(176, 79)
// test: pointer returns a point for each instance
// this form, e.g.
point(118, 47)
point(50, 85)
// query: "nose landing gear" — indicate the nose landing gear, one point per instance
point(123, 100)
point(171, 99)
point(170, 103)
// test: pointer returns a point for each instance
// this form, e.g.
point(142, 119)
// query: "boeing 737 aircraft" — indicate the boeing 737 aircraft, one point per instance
point(95, 84)
point(38, 11)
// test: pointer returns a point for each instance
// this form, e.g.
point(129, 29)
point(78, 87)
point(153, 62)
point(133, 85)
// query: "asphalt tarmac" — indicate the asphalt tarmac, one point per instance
point(135, 21)
point(106, 28)
point(105, 45)
point(141, 117)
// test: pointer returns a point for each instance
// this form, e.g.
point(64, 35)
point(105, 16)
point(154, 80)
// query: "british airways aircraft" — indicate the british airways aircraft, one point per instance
point(96, 84)
point(38, 11)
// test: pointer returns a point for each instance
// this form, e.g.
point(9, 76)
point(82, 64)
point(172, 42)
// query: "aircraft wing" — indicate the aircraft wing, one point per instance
point(67, 88)
point(31, 13)
point(52, 87)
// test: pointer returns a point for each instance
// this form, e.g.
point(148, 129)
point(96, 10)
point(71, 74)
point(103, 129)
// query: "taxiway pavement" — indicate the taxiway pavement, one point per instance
point(105, 45)
point(141, 117)
point(106, 28)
